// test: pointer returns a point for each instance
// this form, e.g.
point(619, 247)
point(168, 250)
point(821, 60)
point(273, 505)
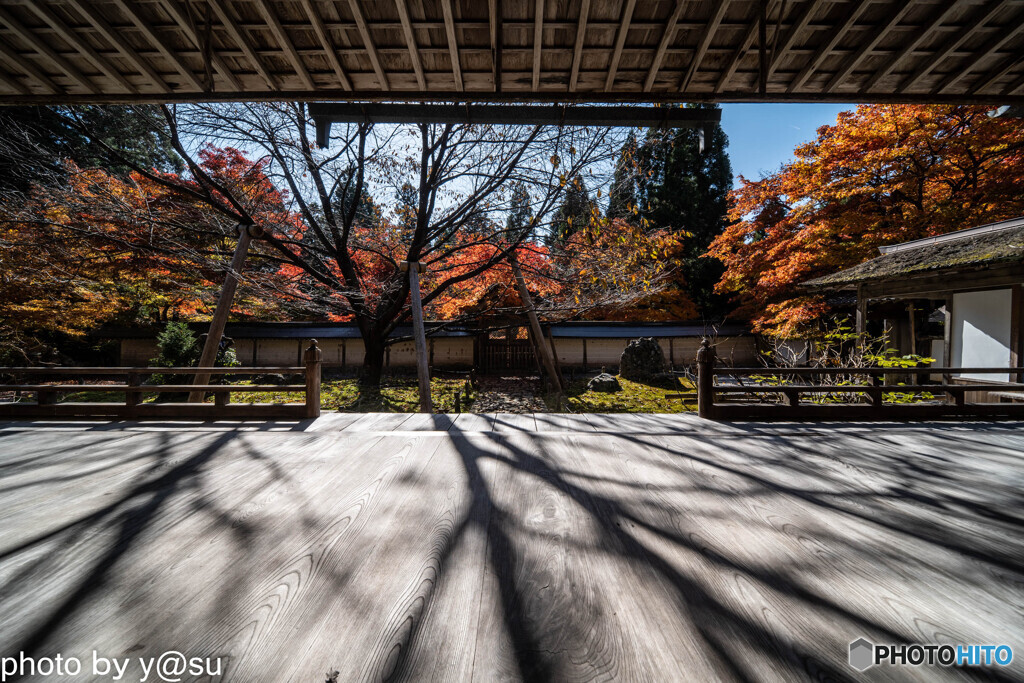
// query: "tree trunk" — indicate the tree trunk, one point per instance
point(373, 364)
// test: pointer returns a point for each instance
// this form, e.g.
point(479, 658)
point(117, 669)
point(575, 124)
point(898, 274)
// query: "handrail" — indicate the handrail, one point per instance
point(722, 370)
point(790, 406)
point(132, 407)
point(72, 370)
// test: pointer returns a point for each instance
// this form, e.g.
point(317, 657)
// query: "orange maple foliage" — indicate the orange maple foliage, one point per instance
point(883, 174)
point(109, 249)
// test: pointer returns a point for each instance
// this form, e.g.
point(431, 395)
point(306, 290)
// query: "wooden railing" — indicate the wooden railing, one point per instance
point(791, 384)
point(47, 403)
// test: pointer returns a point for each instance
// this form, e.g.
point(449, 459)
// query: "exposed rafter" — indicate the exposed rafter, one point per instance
point(950, 46)
point(151, 35)
point(453, 44)
point(119, 44)
point(242, 41)
point(994, 43)
point(410, 41)
point(325, 42)
point(285, 43)
point(738, 54)
point(993, 76)
point(1014, 87)
point(705, 41)
point(58, 62)
point(494, 24)
point(29, 68)
point(83, 48)
point(371, 49)
point(865, 48)
point(795, 31)
point(823, 51)
point(620, 41)
point(538, 40)
point(911, 45)
point(577, 50)
point(10, 82)
point(183, 22)
point(666, 39)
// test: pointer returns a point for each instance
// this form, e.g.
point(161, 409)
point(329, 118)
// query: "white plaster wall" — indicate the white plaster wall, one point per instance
point(981, 332)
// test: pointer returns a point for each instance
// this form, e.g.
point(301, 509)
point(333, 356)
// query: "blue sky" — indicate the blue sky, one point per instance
point(763, 136)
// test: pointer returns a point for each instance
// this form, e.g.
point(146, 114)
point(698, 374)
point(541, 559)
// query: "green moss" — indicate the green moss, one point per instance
point(634, 398)
point(397, 395)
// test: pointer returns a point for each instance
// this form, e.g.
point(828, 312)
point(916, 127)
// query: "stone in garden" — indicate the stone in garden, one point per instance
point(604, 383)
point(642, 360)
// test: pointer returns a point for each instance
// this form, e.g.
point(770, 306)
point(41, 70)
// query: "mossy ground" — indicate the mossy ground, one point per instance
point(397, 395)
point(635, 397)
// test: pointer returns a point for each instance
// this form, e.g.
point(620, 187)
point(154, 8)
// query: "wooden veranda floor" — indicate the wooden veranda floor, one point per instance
point(524, 547)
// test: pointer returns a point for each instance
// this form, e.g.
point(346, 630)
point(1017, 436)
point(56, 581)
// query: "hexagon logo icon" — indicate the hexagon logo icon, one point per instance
point(862, 654)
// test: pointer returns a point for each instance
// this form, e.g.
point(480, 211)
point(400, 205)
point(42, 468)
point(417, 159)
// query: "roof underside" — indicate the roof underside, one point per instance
point(973, 252)
point(544, 50)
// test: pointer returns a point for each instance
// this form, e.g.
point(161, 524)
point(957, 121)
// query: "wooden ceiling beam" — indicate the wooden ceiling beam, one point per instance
point(666, 39)
point(410, 40)
point(620, 41)
point(120, 44)
point(285, 43)
point(494, 24)
point(11, 82)
point(64, 31)
point(1014, 87)
point(453, 45)
point(29, 68)
point(43, 48)
point(151, 35)
point(918, 37)
point(864, 49)
point(993, 45)
point(577, 50)
point(948, 47)
point(705, 41)
point(738, 54)
point(538, 41)
point(184, 24)
point(823, 51)
point(325, 42)
point(794, 32)
point(993, 76)
point(242, 41)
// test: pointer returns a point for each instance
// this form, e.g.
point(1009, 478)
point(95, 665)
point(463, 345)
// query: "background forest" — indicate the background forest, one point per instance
point(128, 215)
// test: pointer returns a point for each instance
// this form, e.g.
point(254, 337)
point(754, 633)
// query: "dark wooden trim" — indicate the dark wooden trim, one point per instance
point(934, 285)
point(1017, 330)
point(443, 96)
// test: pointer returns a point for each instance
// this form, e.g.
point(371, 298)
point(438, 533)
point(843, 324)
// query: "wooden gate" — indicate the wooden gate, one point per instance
point(507, 355)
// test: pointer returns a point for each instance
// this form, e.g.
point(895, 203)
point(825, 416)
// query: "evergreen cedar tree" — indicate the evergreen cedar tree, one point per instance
point(667, 186)
point(882, 174)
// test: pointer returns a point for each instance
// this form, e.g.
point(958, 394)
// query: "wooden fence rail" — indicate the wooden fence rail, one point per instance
point(790, 406)
point(47, 396)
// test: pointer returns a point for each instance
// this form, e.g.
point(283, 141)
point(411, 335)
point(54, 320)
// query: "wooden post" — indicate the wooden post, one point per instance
point(132, 399)
point(706, 380)
point(862, 315)
point(419, 335)
point(220, 314)
point(531, 314)
point(313, 356)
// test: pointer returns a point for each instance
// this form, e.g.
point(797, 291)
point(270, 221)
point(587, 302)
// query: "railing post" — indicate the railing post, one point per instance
point(132, 399)
point(312, 357)
point(706, 380)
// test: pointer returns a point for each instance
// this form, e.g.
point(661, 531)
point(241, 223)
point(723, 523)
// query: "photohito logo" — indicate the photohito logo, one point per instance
point(864, 654)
